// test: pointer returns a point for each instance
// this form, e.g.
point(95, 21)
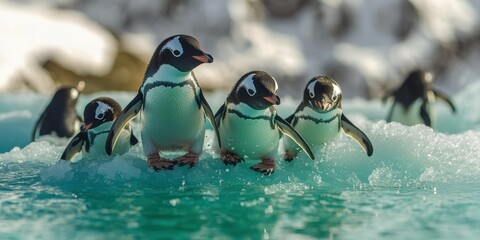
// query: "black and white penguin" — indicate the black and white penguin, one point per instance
point(60, 117)
point(412, 101)
point(171, 105)
point(249, 125)
point(99, 115)
point(319, 118)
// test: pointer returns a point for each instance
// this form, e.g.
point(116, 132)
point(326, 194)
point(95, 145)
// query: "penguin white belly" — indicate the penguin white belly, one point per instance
point(171, 118)
point(316, 128)
point(411, 116)
point(248, 138)
point(98, 136)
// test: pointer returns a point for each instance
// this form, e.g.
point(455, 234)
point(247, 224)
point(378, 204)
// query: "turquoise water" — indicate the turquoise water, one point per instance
point(419, 184)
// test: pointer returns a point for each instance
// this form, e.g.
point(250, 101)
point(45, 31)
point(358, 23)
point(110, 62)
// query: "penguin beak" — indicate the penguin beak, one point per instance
point(85, 127)
point(205, 58)
point(274, 99)
point(323, 105)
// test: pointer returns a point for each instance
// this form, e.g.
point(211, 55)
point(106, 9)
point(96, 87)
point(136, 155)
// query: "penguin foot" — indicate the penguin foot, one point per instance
point(158, 163)
point(267, 167)
point(289, 156)
point(188, 159)
point(230, 158)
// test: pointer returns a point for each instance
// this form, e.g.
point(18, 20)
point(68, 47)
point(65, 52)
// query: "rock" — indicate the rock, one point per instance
point(125, 74)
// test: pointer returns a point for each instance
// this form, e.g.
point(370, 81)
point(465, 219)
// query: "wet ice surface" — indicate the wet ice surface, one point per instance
point(419, 183)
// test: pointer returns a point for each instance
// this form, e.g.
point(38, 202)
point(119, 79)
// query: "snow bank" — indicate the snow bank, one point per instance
point(32, 34)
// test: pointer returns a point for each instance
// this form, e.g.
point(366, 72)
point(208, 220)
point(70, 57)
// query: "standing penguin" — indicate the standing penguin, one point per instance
point(99, 115)
point(319, 117)
point(171, 104)
point(60, 116)
point(249, 125)
point(412, 102)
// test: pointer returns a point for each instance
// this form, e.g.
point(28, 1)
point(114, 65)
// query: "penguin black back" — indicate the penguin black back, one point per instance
point(60, 116)
point(415, 86)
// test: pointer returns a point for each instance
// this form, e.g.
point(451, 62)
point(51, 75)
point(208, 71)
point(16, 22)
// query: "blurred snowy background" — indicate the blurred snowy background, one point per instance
point(368, 46)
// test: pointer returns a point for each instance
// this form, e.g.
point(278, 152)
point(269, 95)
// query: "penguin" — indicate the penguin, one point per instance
point(99, 115)
point(249, 126)
point(319, 118)
point(172, 107)
point(412, 101)
point(60, 117)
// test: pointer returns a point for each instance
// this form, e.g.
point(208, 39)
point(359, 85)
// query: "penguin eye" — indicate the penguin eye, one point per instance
point(174, 46)
point(334, 98)
point(248, 84)
point(312, 94)
point(176, 53)
point(100, 116)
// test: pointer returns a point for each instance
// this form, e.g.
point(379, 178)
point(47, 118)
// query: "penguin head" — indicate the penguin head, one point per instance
point(99, 111)
point(322, 94)
point(417, 83)
point(257, 89)
point(67, 96)
point(179, 51)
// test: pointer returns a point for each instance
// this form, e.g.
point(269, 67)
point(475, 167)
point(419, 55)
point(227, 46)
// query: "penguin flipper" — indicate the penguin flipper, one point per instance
point(288, 130)
point(289, 119)
point(128, 113)
point(210, 116)
point(133, 139)
point(445, 98)
point(36, 128)
point(424, 114)
point(357, 134)
point(390, 113)
point(220, 113)
point(74, 147)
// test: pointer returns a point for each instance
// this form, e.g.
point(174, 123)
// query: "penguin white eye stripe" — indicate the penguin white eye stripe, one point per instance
point(101, 109)
point(248, 84)
point(311, 89)
point(336, 91)
point(174, 46)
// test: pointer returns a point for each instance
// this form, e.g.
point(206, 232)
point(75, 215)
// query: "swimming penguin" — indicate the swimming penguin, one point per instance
point(249, 125)
point(60, 116)
point(171, 105)
point(319, 117)
point(412, 101)
point(99, 115)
